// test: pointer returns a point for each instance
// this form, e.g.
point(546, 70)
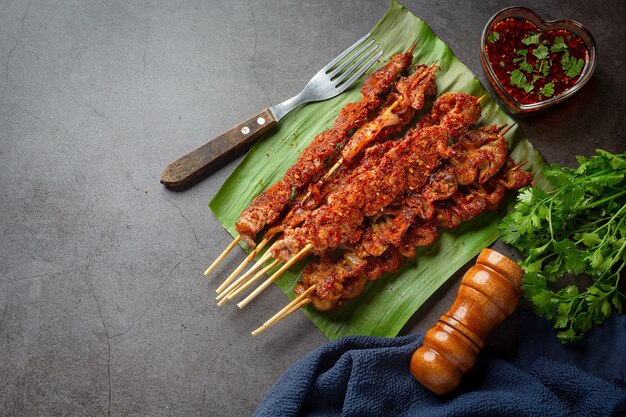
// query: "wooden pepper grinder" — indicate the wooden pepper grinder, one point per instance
point(489, 292)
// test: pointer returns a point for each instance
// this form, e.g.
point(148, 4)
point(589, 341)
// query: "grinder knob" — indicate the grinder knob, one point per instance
point(489, 292)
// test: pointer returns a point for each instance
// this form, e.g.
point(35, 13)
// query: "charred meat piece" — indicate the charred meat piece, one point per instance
point(268, 206)
point(410, 162)
point(337, 277)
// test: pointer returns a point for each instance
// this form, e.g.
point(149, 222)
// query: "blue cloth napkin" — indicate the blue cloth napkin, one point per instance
point(369, 376)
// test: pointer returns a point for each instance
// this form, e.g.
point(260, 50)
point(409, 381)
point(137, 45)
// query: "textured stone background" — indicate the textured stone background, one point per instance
point(103, 309)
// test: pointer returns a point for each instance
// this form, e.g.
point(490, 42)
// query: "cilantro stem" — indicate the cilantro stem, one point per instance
point(611, 220)
point(592, 225)
point(617, 258)
point(604, 200)
point(586, 177)
point(550, 221)
point(545, 257)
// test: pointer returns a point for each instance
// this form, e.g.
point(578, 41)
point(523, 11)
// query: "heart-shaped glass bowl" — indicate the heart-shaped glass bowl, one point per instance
point(523, 13)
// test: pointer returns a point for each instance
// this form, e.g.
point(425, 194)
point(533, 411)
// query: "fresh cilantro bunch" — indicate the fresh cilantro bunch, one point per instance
point(578, 228)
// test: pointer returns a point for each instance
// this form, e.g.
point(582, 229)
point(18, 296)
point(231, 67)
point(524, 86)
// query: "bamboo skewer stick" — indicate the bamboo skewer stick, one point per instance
point(288, 313)
point(242, 265)
point(233, 286)
point(340, 160)
point(325, 178)
point(506, 130)
point(222, 256)
point(246, 280)
point(293, 302)
point(387, 111)
point(230, 247)
point(306, 197)
point(294, 305)
point(274, 277)
point(277, 229)
point(294, 309)
point(246, 285)
point(236, 288)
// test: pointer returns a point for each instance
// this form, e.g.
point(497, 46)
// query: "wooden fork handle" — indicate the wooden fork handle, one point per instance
point(188, 169)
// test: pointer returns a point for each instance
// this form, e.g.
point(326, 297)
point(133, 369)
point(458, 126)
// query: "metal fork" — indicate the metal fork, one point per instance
point(330, 81)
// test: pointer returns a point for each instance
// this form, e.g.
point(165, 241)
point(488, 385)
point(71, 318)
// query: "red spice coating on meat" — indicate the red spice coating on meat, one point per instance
point(409, 163)
point(268, 206)
point(408, 97)
point(466, 203)
point(479, 154)
point(389, 228)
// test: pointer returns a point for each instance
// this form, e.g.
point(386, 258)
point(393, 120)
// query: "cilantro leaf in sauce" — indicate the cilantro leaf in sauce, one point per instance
point(493, 37)
point(532, 39)
point(559, 45)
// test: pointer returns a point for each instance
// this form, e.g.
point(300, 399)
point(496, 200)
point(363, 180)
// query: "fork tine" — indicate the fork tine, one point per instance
point(360, 72)
point(338, 81)
point(351, 60)
point(346, 52)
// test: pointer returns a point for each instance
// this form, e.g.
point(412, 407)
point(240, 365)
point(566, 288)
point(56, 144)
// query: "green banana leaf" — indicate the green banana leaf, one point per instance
point(387, 304)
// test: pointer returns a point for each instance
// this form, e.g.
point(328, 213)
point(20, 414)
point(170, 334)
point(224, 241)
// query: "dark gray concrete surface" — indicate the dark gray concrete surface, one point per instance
point(103, 307)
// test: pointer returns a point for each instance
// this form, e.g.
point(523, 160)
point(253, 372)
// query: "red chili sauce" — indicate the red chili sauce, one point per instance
point(532, 65)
